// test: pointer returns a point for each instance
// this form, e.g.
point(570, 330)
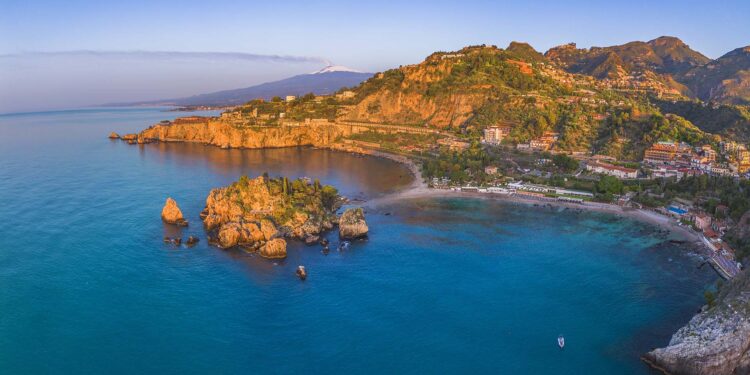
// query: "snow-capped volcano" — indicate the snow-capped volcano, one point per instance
point(336, 68)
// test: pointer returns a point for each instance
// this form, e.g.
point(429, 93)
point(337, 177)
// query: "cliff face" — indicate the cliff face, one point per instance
point(222, 133)
point(399, 96)
point(716, 341)
point(447, 89)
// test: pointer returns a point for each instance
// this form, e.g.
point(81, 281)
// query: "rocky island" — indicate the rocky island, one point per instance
point(258, 214)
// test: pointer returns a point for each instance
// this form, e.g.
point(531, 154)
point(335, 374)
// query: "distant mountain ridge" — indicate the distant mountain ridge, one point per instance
point(670, 61)
point(725, 80)
point(323, 82)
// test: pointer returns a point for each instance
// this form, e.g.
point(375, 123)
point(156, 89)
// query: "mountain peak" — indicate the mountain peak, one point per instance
point(666, 40)
point(525, 51)
point(336, 68)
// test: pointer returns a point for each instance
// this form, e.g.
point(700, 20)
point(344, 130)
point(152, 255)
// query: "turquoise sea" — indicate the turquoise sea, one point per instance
point(442, 285)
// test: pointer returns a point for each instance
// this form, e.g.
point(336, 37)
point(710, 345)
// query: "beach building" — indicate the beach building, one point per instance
point(490, 169)
point(667, 172)
point(576, 193)
point(611, 170)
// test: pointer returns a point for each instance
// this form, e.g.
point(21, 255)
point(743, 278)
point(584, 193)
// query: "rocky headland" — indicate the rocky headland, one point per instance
point(259, 214)
point(716, 341)
point(226, 134)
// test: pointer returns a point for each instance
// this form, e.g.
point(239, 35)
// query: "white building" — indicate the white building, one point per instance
point(612, 170)
point(494, 134)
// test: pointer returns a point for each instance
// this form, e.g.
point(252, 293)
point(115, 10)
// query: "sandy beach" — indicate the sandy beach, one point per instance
point(419, 189)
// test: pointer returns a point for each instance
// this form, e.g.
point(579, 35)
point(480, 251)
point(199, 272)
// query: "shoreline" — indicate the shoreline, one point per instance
point(641, 215)
point(419, 189)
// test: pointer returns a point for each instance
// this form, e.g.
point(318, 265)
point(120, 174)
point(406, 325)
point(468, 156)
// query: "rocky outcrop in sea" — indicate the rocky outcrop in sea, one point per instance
point(716, 341)
point(352, 224)
point(258, 214)
point(172, 214)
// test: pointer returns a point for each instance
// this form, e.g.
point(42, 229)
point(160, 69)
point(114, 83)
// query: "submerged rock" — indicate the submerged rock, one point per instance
point(352, 224)
point(173, 240)
point(273, 249)
point(311, 239)
point(301, 272)
point(192, 240)
point(172, 214)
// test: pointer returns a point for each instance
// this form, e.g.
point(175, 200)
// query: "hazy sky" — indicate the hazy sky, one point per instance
point(142, 50)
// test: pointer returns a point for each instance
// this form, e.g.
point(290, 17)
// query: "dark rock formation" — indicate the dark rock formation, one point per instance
point(192, 240)
point(301, 272)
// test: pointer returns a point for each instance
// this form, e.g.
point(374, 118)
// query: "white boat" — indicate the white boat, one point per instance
point(561, 341)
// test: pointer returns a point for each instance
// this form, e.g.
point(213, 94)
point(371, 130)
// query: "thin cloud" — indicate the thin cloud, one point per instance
point(163, 55)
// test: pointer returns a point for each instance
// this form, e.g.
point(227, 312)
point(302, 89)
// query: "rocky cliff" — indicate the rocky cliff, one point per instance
point(714, 342)
point(223, 133)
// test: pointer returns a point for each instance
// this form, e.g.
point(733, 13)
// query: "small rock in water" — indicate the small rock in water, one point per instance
point(173, 240)
point(192, 240)
point(311, 239)
point(301, 273)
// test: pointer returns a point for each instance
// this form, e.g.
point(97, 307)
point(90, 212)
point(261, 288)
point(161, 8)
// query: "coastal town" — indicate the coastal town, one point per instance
point(663, 160)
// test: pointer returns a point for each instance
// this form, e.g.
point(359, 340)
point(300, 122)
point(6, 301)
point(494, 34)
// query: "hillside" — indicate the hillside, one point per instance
point(470, 89)
point(664, 55)
point(616, 106)
point(725, 80)
point(449, 90)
